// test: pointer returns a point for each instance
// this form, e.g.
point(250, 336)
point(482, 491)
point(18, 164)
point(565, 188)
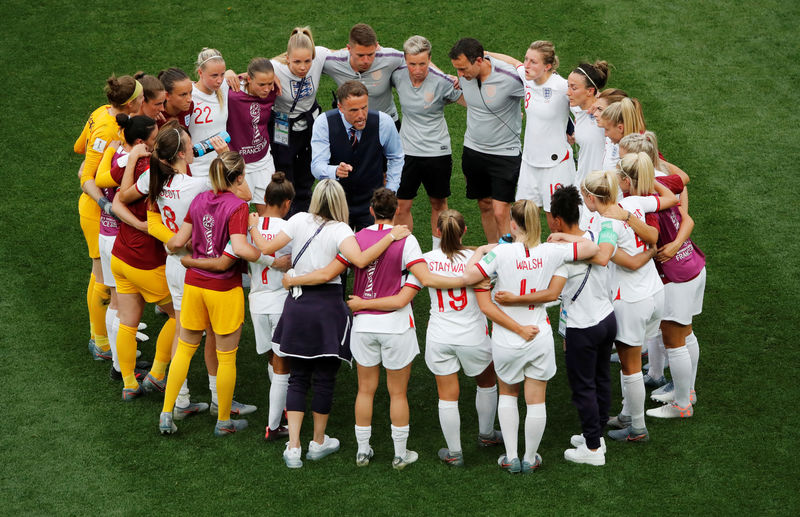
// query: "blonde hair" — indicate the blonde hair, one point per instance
point(627, 112)
point(417, 45)
point(451, 225)
point(603, 185)
point(299, 39)
point(638, 167)
point(206, 55)
point(547, 51)
point(643, 143)
point(224, 170)
point(328, 202)
point(526, 214)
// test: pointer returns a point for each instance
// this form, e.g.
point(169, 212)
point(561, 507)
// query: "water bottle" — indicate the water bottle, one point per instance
point(205, 146)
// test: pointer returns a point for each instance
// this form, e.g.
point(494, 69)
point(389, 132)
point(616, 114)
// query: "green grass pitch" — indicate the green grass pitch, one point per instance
point(715, 82)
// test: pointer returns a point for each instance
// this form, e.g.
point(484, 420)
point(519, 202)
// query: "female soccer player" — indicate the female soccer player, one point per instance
point(214, 298)
point(604, 99)
point(583, 86)
point(248, 121)
point(178, 104)
point(424, 92)
point(138, 264)
point(546, 160)
point(210, 112)
point(299, 71)
point(155, 96)
point(314, 327)
point(124, 95)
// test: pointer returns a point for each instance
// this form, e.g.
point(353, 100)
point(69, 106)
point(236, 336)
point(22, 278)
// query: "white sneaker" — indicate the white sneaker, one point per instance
point(581, 454)
point(576, 440)
point(671, 411)
point(317, 451)
point(399, 463)
point(293, 457)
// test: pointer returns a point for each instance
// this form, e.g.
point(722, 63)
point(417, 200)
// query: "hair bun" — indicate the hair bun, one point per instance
point(279, 177)
point(123, 120)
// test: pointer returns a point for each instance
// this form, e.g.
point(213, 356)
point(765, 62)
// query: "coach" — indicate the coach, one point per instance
point(491, 159)
point(357, 146)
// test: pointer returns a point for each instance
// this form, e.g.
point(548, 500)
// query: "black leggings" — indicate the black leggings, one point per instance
point(321, 372)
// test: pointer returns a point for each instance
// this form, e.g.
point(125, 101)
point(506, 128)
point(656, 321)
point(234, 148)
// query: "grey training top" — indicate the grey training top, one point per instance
point(424, 129)
point(494, 115)
point(377, 79)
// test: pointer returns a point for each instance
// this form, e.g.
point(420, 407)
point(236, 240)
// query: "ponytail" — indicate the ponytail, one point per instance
point(638, 167)
point(451, 226)
point(224, 170)
point(525, 214)
point(170, 140)
point(603, 185)
point(138, 127)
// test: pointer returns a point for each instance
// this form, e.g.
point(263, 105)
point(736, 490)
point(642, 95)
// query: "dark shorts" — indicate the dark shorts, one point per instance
point(490, 175)
point(433, 172)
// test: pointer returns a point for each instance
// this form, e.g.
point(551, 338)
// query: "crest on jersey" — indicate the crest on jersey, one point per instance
point(491, 90)
point(428, 97)
point(377, 74)
point(548, 93)
point(306, 91)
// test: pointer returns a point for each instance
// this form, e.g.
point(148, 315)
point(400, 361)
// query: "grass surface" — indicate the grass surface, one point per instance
point(714, 81)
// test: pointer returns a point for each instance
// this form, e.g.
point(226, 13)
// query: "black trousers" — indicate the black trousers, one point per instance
point(319, 372)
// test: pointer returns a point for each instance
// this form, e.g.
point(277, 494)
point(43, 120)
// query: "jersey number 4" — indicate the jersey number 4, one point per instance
point(457, 303)
point(523, 290)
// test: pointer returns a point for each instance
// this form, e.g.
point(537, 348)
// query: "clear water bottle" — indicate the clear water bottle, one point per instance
point(205, 146)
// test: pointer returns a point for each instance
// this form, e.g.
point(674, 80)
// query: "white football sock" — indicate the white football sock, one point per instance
point(693, 347)
point(486, 406)
point(634, 397)
point(277, 399)
point(535, 421)
point(212, 386)
point(450, 420)
point(183, 395)
point(681, 370)
point(400, 438)
point(270, 371)
point(625, 410)
point(656, 355)
point(437, 242)
point(363, 434)
point(508, 415)
point(112, 328)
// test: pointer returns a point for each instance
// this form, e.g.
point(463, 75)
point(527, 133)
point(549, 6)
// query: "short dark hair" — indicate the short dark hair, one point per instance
point(470, 47)
point(350, 89)
point(565, 203)
point(364, 35)
point(384, 203)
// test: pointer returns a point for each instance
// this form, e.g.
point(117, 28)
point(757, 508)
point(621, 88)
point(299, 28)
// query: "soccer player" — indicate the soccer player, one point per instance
point(491, 158)
point(155, 96)
point(212, 298)
point(178, 104)
point(124, 96)
point(547, 163)
point(424, 91)
point(210, 112)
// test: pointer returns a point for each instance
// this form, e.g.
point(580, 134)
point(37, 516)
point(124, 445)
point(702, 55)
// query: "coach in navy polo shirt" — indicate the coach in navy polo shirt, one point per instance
point(357, 147)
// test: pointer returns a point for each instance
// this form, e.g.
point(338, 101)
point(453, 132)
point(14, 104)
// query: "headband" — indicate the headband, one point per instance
point(207, 60)
point(136, 92)
point(178, 146)
point(620, 170)
point(581, 70)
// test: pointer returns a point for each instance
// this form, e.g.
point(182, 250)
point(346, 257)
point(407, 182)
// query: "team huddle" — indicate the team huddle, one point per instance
point(195, 191)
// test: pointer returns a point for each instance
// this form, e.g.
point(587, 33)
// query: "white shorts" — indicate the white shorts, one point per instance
point(394, 351)
point(537, 184)
point(176, 274)
point(636, 321)
point(535, 360)
point(263, 327)
point(258, 175)
point(683, 300)
point(447, 359)
point(106, 244)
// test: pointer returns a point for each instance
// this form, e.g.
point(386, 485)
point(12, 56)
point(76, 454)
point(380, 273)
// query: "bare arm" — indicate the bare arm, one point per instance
point(669, 250)
point(180, 239)
point(244, 249)
point(387, 303)
point(550, 294)
point(353, 253)
point(498, 317)
point(674, 169)
point(472, 275)
point(321, 276)
point(633, 262)
point(667, 199)
point(505, 58)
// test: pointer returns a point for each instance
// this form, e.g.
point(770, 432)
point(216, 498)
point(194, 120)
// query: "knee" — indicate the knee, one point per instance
point(485, 204)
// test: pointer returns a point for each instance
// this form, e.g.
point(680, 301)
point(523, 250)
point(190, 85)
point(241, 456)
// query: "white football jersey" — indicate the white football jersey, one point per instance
point(546, 118)
point(176, 196)
point(208, 119)
point(523, 270)
point(591, 142)
point(267, 294)
point(455, 317)
point(592, 304)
